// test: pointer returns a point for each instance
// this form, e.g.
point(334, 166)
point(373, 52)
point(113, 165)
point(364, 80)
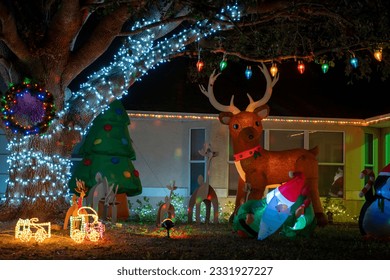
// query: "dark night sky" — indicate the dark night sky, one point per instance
point(312, 94)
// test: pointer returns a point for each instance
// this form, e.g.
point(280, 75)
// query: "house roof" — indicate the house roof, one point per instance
point(312, 94)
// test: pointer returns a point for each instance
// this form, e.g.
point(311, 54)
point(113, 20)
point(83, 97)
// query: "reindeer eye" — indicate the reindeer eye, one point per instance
point(235, 126)
point(257, 123)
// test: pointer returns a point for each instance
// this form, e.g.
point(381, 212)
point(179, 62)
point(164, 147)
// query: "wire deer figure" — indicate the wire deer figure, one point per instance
point(109, 203)
point(166, 209)
point(97, 192)
point(77, 203)
point(204, 193)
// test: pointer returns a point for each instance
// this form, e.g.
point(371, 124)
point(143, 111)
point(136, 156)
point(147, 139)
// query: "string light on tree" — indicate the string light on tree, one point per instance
point(50, 172)
point(354, 61)
point(248, 72)
point(324, 67)
point(301, 67)
point(199, 65)
point(223, 63)
point(274, 70)
point(378, 54)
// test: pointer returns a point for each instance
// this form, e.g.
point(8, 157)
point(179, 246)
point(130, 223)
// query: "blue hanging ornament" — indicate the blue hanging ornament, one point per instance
point(248, 72)
point(354, 62)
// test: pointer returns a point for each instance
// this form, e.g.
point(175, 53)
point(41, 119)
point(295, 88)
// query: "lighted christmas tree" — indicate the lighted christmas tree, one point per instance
point(108, 149)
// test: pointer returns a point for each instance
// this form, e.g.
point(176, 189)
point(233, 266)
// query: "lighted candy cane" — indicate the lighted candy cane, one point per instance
point(370, 182)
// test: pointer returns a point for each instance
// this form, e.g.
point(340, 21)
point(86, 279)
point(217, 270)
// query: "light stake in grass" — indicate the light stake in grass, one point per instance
point(168, 224)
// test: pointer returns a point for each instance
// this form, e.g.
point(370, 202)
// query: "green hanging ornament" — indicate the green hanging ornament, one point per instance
point(223, 64)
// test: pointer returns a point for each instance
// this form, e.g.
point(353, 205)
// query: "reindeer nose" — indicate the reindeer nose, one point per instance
point(250, 136)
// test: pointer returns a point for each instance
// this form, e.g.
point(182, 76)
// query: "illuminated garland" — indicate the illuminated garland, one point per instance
point(27, 109)
point(81, 228)
point(23, 230)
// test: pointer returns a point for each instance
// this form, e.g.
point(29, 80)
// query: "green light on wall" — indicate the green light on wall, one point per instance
point(387, 149)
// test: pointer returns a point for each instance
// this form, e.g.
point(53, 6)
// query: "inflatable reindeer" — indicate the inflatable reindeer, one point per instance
point(259, 167)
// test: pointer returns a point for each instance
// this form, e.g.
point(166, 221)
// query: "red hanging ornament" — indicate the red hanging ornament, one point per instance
point(301, 67)
point(199, 65)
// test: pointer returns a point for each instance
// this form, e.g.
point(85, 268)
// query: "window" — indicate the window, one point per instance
point(281, 140)
point(387, 149)
point(3, 163)
point(330, 161)
point(368, 150)
point(197, 161)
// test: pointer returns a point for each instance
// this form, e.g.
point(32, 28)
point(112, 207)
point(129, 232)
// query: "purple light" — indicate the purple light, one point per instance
point(29, 109)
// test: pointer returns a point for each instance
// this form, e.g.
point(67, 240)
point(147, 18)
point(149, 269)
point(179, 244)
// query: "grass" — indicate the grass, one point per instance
point(145, 241)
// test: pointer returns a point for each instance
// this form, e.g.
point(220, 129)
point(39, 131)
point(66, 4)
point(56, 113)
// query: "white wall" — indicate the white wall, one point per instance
point(162, 151)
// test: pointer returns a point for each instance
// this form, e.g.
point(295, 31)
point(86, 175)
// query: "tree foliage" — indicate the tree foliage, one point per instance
point(310, 31)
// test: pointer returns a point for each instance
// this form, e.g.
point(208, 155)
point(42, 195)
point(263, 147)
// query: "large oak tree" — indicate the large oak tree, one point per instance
point(53, 42)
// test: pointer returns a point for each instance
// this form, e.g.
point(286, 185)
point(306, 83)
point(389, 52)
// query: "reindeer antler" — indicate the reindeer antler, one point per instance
point(210, 95)
point(268, 92)
point(80, 187)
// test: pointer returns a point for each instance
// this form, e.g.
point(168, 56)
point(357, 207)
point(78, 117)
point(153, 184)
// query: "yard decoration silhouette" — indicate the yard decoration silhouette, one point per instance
point(97, 192)
point(204, 193)
point(166, 210)
point(108, 205)
point(257, 166)
point(374, 218)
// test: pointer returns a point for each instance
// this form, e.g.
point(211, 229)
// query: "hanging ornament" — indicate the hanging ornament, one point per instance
point(325, 67)
point(27, 108)
point(378, 54)
point(301, 67)
point(199, 65)
point(223, 63)
point(273, 70)
point(354, 62)
point(248, 72)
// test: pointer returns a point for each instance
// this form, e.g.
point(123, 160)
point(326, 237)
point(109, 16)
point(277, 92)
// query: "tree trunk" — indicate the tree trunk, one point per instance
point(39, 170)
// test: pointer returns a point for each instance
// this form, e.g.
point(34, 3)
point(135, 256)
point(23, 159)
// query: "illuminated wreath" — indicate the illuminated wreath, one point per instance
point(27, 109)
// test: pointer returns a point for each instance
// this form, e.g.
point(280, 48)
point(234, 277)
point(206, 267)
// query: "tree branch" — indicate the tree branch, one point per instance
point(10, 34)
point(68, 15)
point(310, 57)
point(99, 41)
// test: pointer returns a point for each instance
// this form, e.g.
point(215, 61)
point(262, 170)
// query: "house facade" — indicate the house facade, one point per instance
point(167, 146)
